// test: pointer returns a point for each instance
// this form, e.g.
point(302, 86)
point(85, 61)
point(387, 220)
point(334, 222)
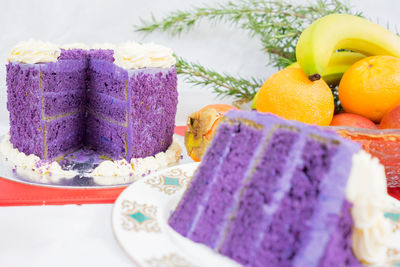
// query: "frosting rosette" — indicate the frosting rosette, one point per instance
point(160, 56)
point(33, 51)
point(367, 191)
point(132, 55)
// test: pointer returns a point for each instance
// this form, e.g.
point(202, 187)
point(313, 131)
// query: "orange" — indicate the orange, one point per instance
point(291, 95)
point(371, 86)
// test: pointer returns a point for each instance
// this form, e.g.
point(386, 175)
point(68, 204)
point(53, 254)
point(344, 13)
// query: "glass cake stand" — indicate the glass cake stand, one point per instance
point(82, 162)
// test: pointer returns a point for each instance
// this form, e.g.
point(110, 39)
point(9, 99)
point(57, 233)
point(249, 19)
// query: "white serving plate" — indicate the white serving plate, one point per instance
point(140, 217)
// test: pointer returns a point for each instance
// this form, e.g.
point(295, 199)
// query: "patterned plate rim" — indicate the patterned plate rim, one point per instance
point(165, 185)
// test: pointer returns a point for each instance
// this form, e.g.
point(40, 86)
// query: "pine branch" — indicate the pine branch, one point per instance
point(222, 84)
point(276, 23)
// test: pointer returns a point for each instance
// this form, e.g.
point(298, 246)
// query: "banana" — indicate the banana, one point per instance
point(338, 64)
point(322, 38)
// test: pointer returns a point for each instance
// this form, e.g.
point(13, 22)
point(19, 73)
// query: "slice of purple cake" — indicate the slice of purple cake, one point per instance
point(271, 192)
point(120, 102)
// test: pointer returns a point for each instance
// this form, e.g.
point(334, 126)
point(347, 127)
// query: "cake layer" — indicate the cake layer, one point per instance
point(331, 200)
point(290, 222)
point(57, 129)
point(56, 104)
point(184, 215)
point(224, 189)
point(338, 251)
point(68, 144)
point(106, 137)
point(109, 107)
point(251, 216)
point(106, 78)
point(64, 75)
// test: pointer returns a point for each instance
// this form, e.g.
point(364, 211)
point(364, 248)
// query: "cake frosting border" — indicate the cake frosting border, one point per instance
point(109, 172)
point(128, 55)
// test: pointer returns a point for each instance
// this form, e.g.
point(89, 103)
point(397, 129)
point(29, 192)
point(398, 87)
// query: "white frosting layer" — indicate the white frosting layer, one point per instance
point(131, 55)
point(107, 173)
point(32, 52)
point(366, 189)
point(128, 55)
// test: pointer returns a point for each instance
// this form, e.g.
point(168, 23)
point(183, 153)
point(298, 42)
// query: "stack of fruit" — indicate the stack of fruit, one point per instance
point(360, 59)
point(367, 73)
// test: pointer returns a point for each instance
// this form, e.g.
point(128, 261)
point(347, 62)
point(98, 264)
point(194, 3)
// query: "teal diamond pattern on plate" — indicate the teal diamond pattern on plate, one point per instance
point(140, 217)
point(171, 181)
point(393, 216)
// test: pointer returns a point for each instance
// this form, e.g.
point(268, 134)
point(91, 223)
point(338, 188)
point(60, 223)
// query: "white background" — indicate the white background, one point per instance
point(81, 235)
point(219, 47)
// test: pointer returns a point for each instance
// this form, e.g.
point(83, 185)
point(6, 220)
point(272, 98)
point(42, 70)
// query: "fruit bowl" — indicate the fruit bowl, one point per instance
point(383, 144)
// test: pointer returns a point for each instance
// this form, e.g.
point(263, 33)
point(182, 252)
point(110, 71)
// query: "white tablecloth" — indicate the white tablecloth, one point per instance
point(50, 236)
point(59, 236)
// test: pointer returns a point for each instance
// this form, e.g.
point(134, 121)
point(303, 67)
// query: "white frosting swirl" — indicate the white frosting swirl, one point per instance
point(121, 171)
point(128, 55)
point(32, 166)
point(131, 55)
point(366, 189)
point(32, 52)
point(160, 56)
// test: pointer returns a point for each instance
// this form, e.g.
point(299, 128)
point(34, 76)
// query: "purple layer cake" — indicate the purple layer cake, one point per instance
point(271, 192)
point(120, 102)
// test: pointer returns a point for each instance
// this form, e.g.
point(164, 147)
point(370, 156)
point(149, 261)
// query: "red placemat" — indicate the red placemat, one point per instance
point(19, 194)
point(394, 192)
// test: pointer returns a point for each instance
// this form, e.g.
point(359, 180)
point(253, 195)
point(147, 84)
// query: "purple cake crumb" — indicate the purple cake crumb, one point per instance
point(73, 54)
point(102, 54)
